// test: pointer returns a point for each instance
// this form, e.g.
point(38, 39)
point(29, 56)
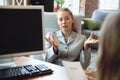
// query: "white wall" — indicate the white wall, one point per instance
point(109, 4)
point(1, 2)
point(73, 5)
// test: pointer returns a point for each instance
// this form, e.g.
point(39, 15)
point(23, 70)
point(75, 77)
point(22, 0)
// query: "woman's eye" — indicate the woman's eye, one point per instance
point(60, 19)
point(67, 18)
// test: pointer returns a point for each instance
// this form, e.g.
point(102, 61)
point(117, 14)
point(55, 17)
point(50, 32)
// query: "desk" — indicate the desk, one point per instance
point(58, 74)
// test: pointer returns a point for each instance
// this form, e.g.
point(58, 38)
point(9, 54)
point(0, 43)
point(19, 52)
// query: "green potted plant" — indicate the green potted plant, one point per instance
point(59, 3)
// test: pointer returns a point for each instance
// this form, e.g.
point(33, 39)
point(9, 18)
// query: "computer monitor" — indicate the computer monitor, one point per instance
point(21, 30)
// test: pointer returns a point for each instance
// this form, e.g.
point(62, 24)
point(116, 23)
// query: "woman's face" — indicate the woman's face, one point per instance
point(65, 21)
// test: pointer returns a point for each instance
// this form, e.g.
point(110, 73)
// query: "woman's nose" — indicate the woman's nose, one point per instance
point(64, 21)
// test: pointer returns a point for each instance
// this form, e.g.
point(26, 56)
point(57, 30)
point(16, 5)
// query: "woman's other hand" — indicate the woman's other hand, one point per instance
point(91, 75)
point(90, 41)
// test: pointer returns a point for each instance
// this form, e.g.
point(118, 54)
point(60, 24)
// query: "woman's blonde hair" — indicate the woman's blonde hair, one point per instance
point(109, 49)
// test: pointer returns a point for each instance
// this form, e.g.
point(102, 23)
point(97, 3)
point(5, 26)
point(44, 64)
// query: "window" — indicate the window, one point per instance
point(109, 4)
point(1, 2)
point(71, 4)
point(4, 2)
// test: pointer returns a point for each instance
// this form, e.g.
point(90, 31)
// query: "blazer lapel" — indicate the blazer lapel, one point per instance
point(60, 37)
point(71, 37)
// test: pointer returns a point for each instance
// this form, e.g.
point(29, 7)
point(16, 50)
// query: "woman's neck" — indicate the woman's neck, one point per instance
point(66, 34)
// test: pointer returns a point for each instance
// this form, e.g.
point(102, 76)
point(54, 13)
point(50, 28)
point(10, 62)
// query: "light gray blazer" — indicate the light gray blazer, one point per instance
point(70, 50)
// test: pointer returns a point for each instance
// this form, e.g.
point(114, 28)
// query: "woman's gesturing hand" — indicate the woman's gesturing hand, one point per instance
point(53, 42)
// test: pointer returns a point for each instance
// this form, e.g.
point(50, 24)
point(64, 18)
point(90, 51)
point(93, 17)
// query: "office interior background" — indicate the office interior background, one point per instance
point(83, 7)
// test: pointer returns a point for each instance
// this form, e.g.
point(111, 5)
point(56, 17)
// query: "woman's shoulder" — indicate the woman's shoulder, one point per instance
point(79, 35)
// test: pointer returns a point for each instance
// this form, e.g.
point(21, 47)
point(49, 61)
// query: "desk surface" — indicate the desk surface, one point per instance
point(58, 74)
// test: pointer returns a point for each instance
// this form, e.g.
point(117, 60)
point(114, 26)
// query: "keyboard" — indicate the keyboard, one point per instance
point(24, 71)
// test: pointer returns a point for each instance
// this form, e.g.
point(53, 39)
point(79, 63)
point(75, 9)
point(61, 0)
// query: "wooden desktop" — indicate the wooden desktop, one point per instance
point(58, 74)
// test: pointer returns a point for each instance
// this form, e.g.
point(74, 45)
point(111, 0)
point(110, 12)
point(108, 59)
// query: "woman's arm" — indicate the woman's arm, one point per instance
point(85, 55)
point(51, 48)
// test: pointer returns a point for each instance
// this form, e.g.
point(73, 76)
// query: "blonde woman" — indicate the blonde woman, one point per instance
point(67, 44)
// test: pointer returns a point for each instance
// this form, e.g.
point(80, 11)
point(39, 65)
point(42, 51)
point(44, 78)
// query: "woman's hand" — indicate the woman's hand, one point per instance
point(89, 41)
point(53, 42)
point(91, 75)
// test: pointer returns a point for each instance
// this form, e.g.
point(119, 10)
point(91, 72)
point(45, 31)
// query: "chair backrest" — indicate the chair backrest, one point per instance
point(50, 22)
point(100, 15)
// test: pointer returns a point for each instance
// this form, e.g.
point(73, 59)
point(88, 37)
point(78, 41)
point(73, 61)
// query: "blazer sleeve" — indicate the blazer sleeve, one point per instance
point(85, 57)
point(50, 55)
